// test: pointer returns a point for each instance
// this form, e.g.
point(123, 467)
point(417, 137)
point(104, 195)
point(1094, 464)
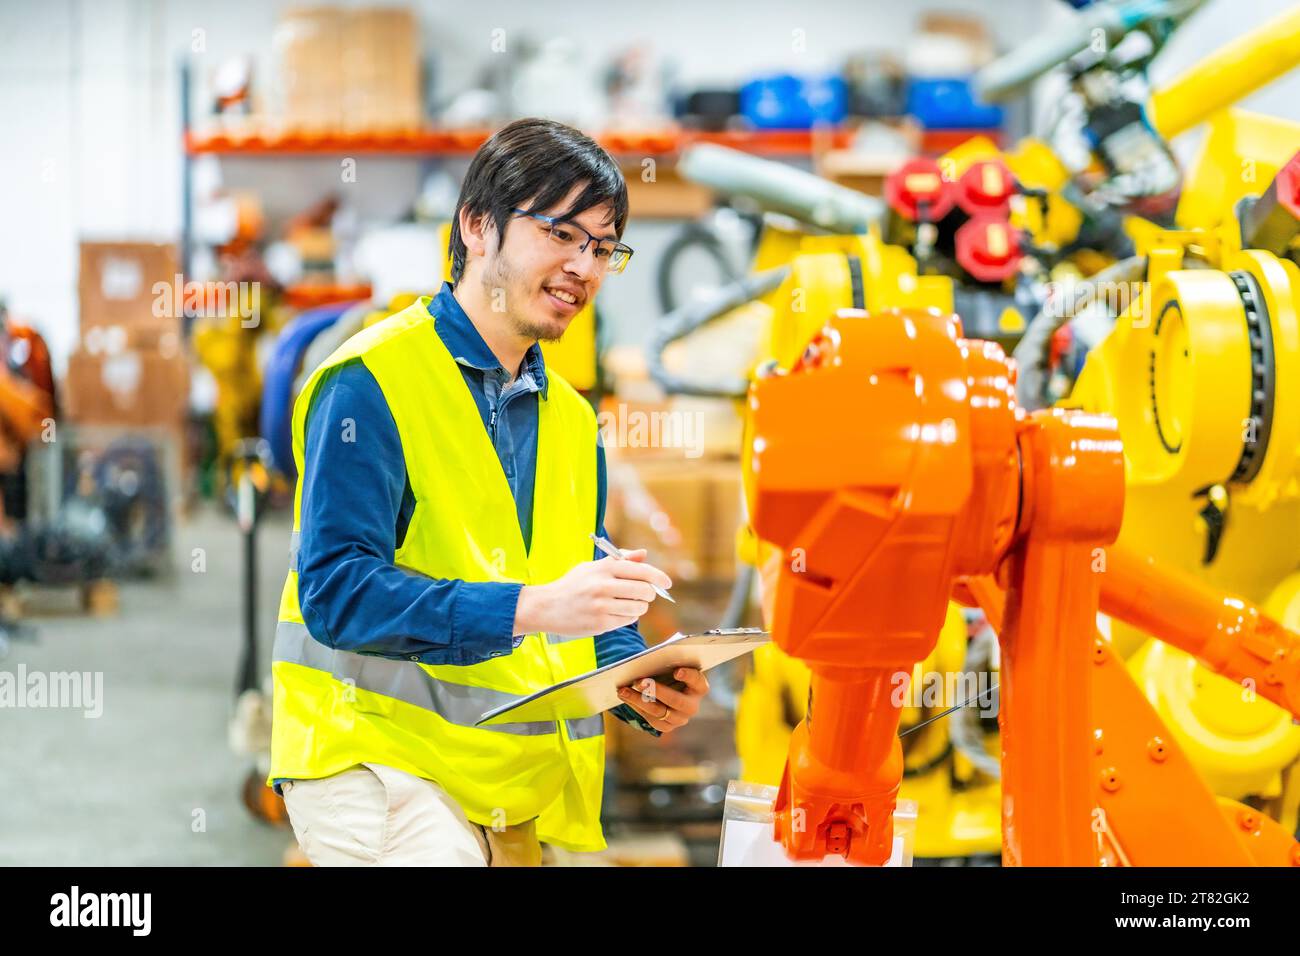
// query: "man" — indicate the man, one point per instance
point(442, 560)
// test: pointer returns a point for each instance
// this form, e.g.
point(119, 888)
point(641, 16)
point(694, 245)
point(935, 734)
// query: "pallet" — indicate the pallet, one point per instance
point(95, 598)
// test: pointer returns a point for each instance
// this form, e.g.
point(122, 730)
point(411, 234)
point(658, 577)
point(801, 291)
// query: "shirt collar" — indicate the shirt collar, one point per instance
point(466, 345)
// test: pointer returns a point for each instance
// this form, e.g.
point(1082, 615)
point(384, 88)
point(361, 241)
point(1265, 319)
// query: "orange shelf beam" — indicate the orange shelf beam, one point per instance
point(415, 142)
point(307, 295)
point(434, 142)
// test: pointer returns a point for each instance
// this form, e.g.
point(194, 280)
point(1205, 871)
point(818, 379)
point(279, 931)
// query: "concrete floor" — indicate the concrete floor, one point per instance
point(125, 788)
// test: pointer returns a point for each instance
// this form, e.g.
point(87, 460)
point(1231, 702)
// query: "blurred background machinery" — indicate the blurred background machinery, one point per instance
point(1019, 239)
point(1106, 189)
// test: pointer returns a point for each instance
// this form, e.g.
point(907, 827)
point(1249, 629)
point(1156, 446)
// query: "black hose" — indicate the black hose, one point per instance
point(691, 236)
point(683, 321)
point(1033, 352)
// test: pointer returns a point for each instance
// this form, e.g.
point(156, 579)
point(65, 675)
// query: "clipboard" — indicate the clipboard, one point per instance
point(596, 691)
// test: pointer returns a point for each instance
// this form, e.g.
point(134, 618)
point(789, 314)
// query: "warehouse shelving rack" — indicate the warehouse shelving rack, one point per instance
point(432, 143)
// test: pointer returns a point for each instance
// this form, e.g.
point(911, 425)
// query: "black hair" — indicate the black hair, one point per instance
point(533, 164)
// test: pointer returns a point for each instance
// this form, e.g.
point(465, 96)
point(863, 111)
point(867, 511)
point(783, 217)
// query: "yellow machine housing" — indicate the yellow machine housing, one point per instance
point(1182, 388)
point(1212, 466)
point(1177, 371)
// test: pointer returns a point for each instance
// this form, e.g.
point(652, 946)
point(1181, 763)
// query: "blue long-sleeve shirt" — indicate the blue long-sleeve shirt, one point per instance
point(357, 504)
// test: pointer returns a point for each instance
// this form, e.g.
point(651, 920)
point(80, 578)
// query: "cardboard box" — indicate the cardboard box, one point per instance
point(684, 514)
point(970, 29)
point(681, 428)
point(374, 110)
point(350, 70)
point(162, 336)
point(668, 196)
point(117, 280)
point(381, 70)
point(308, 44)
point(130, 387)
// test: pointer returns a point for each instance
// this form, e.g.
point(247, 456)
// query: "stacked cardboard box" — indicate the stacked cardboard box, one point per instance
point(350, 70)
point(684, 513)
point(668, 195)
point(116, 282)
point(381, 70)
point(308, 48)
point(130, 366)
point(674, 467)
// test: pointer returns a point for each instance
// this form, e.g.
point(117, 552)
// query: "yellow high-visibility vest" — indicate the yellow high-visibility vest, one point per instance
point(334, 709)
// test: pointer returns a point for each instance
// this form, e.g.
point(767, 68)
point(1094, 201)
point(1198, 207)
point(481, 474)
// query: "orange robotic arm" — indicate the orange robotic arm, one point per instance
point(1230, 635)
point(24, 408)
point(915, 481)
point(929, 475)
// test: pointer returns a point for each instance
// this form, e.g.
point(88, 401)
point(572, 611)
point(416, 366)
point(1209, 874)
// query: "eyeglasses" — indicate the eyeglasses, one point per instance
point(611, 255)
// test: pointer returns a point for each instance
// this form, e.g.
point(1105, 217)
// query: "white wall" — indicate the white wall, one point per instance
point(91, 120)
point(88, 106)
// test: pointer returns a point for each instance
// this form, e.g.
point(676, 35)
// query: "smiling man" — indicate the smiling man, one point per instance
point(442, 561)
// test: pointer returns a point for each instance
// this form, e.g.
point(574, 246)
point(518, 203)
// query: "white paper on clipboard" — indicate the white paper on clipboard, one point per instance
point(596, 691)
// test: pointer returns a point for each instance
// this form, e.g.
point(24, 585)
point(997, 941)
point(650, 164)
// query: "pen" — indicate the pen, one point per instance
point(609, 549)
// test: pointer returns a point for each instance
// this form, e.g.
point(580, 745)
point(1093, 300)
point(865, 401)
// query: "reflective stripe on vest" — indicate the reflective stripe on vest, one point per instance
point(561, 638)
point(407, 681)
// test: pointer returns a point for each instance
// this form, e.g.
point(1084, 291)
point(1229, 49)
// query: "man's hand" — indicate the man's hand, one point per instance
point(594, 597)
point(663, 707)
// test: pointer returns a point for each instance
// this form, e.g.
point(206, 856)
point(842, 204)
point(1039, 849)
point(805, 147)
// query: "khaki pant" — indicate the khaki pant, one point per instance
point(372, 815)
